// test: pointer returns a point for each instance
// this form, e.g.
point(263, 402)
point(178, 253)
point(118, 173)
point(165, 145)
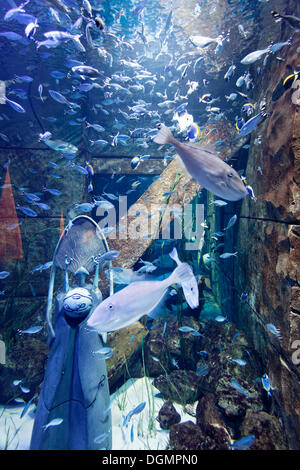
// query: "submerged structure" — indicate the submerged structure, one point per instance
point(91, 93)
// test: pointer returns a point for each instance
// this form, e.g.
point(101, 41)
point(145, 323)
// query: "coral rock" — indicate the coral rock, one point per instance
point(267, 430)
point(168, 415)
point(211, 422)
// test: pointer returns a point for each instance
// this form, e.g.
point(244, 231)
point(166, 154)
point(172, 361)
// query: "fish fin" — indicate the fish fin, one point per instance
point(174, 255)
point(164, 135)
point(184, 276)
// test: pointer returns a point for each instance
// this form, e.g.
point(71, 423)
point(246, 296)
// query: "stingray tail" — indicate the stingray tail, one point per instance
point(184, 276)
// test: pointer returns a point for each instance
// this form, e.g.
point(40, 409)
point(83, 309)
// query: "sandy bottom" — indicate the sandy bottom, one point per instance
point(142, 432)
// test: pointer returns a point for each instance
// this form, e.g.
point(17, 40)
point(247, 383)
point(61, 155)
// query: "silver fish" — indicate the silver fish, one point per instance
point(228, 255)
point(53, 422)
point(140, 298)
point(231, 222)
point(202, 41)
point(58, 4)
point(206, 167)
point(254, 56)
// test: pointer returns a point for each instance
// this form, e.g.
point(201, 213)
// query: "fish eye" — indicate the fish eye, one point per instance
point(230, 174)
point(110, 306)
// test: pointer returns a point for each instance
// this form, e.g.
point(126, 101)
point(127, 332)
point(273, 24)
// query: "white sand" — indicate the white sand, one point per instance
point(15, 433)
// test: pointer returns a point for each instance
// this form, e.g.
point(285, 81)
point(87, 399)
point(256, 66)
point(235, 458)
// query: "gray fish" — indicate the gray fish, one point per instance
point(228, 255)
point(140, 298)
point(53, 422)
point(206, 167)
point(4, 274)
point(254, 56)
point(231, 222)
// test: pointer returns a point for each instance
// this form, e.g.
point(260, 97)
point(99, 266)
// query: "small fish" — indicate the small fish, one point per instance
point(279, 45)
point(230, 72)
point(84, 207)
point(243, 443)
point(53, 422)
point(238, 361)
point(59, 97)
point(254, 56)
point(238, 387)
point(228, 255)
point(132, 433)
point(45, 136)
point(101, 437)
point(24, 389)
point(231, 222)
point(19, 400)
point(220, 318)
point(108, 256)
point(275, 331)
point(54, 192)
point(193, 132)
point(4, 274)
point(27, 211)
point(188, 329)
point(16, 382)
point(231, 97)
point(135, 162)
point(219, 203)
point(16, 106)
point(106, 352)
point(206, 98)
point(155, 359)
point(251, 192)
point(251, 124)
point(89, 168)
point(32, 330)
point(131, 339)
point(138, 409)
point(266, 384)
point(202, 41)
point(86, 71)
point(96, 127)
point(26, 407)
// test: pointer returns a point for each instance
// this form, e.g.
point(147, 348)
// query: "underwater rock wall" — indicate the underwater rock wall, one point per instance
point(267, 238)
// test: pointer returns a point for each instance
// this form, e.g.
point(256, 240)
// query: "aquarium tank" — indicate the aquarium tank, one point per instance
point(149, 225)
